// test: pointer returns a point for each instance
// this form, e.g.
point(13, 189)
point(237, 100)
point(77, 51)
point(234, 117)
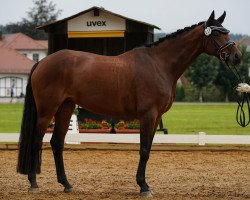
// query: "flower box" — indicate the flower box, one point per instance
point(92, 126)
point(127, 130)
point(128, 126)
point(82, 130)
point(49, 130)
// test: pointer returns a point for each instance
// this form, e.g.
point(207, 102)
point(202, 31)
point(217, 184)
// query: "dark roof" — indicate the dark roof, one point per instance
point(96, 8)
point(13, 62)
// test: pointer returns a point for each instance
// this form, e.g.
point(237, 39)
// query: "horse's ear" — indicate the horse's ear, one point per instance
point(210, 19)
point(222, 17)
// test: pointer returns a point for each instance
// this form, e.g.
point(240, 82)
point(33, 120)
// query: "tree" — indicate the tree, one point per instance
point(19, 27)
point(43, 12)
point(2, 29)
point(236, 37)
point(226, 80)
point(202, 73)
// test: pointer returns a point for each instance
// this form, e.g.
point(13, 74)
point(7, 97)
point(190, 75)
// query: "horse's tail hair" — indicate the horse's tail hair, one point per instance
point(28, 131)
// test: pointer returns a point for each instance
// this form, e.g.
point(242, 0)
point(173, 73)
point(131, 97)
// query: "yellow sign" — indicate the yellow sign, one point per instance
point(95, 34)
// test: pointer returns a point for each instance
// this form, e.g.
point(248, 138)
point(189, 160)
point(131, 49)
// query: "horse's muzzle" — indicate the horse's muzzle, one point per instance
point(235, 58)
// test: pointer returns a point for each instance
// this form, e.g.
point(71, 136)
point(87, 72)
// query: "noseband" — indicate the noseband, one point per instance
point(220, 49)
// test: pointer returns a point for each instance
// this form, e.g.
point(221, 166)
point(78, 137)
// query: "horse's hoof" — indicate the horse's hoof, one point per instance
point(152, 192)
point(33, 190)
point(68, 190)
point(147, 194)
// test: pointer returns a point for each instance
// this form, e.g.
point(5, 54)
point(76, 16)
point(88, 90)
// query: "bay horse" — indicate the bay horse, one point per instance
point(139, 83)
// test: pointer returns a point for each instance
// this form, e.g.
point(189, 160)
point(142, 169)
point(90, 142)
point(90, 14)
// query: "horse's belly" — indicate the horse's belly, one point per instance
point(106, 104)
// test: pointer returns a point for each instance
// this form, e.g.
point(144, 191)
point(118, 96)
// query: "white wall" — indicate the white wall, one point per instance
point(29, 53)
point(111, 22)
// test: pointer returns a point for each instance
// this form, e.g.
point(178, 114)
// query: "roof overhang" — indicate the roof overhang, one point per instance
point(96, 10)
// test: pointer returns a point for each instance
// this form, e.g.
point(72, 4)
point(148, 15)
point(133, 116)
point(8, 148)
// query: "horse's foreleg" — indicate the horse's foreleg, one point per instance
point(62, 120)
point(147, 131)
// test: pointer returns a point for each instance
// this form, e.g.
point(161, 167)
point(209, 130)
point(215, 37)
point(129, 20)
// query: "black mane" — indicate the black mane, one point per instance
point(174, 34)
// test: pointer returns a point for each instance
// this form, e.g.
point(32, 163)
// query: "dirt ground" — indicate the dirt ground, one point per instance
point(110, 174)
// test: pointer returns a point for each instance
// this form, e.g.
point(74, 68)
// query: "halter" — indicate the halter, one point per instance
point(241, 115)
point(220, 49)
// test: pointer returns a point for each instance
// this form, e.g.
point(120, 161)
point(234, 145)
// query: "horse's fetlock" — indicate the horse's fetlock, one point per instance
point(65, 183)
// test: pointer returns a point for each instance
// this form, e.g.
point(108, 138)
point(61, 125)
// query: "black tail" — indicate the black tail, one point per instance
point(28, 131)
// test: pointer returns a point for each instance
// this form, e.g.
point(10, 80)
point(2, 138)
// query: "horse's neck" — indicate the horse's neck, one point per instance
point(174, 55)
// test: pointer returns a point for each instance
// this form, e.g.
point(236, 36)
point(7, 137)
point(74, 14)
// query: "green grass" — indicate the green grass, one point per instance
point(182, 118)
point(10, 118)
point(209, 118)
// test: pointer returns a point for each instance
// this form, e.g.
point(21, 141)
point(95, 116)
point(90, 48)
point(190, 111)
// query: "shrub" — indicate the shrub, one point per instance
point(119, 124)
point(132, 125)
point(180, 93)
point(191, 94)
point(91, 125)
point(212, 94)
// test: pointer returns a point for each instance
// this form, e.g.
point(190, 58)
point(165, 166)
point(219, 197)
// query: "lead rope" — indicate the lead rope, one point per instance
point(242, 115)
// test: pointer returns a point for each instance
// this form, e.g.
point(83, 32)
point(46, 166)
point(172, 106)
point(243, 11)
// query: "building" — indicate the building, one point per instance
point(99, 31)
point(18, 53)
point(14, 70)
point(32, 49)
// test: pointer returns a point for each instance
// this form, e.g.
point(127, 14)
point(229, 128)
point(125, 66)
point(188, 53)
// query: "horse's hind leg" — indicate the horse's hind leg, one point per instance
point(42, 124)
point(62, 120)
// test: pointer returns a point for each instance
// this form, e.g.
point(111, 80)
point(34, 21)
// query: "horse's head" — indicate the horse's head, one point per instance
point(217, 42)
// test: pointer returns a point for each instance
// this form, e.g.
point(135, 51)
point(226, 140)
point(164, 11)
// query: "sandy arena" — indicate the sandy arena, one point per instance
point(110, 174)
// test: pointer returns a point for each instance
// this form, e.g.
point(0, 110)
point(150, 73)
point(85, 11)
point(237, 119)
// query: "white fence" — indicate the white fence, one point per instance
point(74, 137)
point(199, 139)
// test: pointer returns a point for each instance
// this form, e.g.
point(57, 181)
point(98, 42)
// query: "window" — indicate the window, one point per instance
point(36, 57)
point(6, 83)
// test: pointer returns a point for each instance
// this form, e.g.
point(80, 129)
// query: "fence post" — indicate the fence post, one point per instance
point(202, 138)
point(73, 128)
